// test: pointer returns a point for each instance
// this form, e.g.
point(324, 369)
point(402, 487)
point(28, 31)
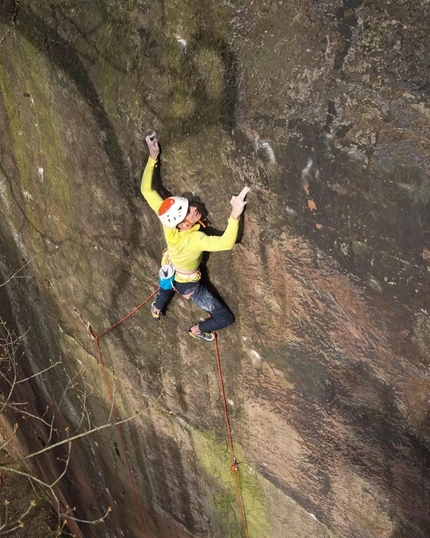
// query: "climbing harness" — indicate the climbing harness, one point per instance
point(234, 467)
point(189, 276)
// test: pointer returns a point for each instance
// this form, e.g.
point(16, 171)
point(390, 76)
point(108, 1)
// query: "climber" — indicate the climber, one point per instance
point(181, 221)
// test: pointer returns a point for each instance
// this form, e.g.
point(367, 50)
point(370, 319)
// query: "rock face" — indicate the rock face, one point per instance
point(323, 108)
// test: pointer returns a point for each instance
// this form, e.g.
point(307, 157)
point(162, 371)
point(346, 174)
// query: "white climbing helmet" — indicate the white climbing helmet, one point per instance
point(173, 211)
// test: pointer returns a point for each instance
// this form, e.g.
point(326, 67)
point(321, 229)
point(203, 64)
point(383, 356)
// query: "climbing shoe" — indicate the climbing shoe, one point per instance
point(154, 313)
point(207, 337)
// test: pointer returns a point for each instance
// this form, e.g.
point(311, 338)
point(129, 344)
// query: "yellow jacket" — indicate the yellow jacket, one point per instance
point(186, 248)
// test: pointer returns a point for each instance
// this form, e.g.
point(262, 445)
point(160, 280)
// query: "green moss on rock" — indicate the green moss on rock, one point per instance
point(216, 461)
point(36, 134)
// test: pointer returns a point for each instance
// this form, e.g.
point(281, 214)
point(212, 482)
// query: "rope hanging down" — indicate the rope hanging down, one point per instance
point(234, 462)
point(96, 338)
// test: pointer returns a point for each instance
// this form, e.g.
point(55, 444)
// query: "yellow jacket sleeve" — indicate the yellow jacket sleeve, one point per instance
point(201, 242)
point(151, 196)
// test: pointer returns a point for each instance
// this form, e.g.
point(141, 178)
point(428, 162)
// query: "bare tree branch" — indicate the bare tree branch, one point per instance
point(18, 522)
point(64, 441)
point(95, 522)
point(38, 373)
point(17, 272)
point(10, 377)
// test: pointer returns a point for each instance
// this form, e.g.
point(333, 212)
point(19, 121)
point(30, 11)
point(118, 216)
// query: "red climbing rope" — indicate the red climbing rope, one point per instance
point(129, 314)
point(96, 338)
point(234, 462)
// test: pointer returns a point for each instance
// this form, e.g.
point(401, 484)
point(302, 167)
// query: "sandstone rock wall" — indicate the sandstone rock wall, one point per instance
point(323, 108)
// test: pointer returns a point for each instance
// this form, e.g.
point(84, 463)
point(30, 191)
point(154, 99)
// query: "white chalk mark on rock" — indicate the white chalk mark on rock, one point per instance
point(306, 170)
point(266, 150)
point(290, 211)
point(182, 42)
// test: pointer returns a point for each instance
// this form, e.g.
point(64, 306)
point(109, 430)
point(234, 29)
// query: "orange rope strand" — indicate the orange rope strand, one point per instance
point(96, 338)
point(129, 314)
point(234, 462)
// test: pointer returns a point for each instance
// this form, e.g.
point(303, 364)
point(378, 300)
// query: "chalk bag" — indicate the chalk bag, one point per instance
point(166, 276)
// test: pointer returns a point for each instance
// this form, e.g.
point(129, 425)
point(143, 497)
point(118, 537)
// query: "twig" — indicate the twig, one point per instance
point(18, 523)
point(19, 270)
point(38, 373)
point(95, 522)
point(88, 432)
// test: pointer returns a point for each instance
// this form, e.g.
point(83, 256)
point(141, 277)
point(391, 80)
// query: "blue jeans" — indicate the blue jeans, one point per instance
point(220, 315)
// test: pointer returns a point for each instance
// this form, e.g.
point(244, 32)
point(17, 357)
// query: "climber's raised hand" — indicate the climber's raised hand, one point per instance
point(154, 149)
point(238, 203)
